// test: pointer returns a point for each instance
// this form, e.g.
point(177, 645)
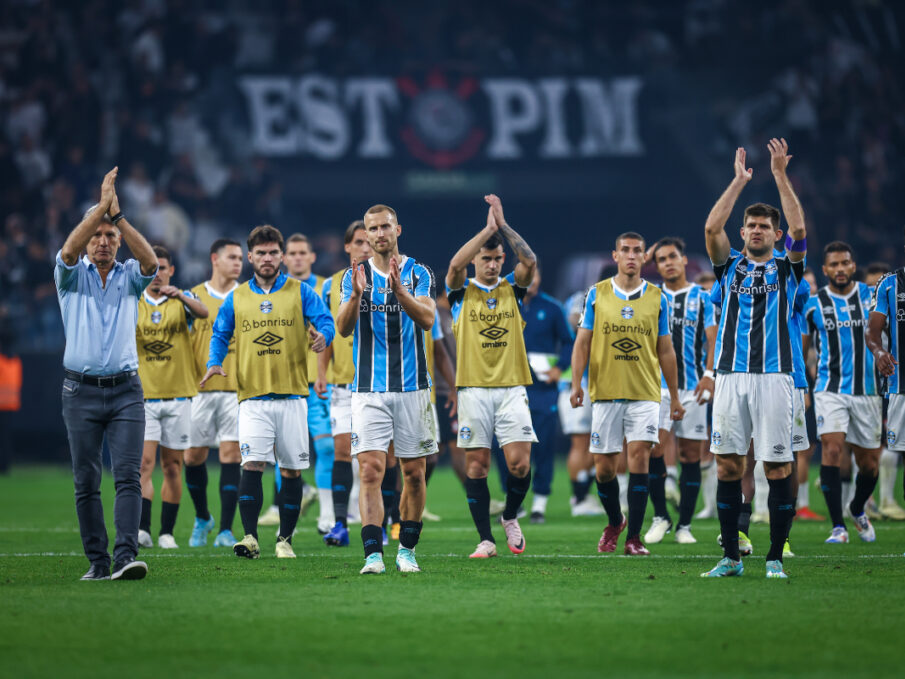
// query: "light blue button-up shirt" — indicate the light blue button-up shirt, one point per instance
point(99, 321)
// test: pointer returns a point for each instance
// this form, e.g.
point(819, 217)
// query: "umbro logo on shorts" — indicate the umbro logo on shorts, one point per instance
point(651, 429)
point(699, 428)
point(779, 448)
point(527, 430)
point(798, 438)
point(427, 445)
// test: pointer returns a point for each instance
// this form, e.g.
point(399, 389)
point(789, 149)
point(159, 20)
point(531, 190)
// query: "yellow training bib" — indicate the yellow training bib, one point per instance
point(271, 341)
point(312, 355)
point(166, 362)
point(202, 329)
point(490, 344)
point(624, 360)
point(342, 366)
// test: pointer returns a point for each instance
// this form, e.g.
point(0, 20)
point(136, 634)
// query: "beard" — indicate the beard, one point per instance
point(834, 281)
point(759, 251)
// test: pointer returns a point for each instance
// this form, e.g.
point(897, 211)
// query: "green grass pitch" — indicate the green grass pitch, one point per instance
point(559, 610)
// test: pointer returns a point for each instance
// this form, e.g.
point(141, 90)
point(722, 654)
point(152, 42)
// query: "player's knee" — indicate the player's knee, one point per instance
point(520, 469)
point(476, 469)
point(413, 477)
point(370, 473)
point(195, 456)
point(290, 473)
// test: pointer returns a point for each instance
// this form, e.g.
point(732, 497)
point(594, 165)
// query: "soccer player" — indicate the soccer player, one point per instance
point(849, 411)
point(268, 314)
point(215, 410)
point(625, 332)
point(338, 365)
point(888, 317)
point(299, 259)
point(888, 508)
point(167, 371)
point(492, 371)
point(388, 303)
point(754, 355)
point(693, 332)
point(576, 424)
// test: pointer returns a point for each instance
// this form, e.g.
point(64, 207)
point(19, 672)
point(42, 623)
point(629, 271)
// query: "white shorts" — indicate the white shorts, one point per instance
point(215, 418)
point(753, 405)
point(274, 431)
point(799, 422)
point(613, 421)
point(169, 423)
point(694, 425)
point(574, 420)
point(895, 423)
point(405, 418)
point(341, 411)
point(501, 411)
point(860, 418)
point(436, 424)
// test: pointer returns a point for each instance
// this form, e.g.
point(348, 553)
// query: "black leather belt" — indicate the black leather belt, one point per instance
point(100, 381)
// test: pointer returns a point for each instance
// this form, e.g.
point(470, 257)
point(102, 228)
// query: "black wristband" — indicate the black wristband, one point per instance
point(119, 216)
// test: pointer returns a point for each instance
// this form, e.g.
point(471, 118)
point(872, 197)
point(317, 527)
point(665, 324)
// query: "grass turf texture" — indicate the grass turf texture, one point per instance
point(559, 609)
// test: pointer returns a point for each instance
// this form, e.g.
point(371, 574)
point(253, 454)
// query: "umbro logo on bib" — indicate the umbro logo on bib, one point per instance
point(158, 347)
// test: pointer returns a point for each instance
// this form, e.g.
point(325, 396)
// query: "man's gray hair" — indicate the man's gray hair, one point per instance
point(92, 209)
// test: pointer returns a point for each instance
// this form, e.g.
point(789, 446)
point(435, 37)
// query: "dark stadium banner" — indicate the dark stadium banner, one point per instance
point(444, 134)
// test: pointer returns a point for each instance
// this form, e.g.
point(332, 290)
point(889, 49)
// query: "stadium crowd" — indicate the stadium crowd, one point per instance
point(153, 91)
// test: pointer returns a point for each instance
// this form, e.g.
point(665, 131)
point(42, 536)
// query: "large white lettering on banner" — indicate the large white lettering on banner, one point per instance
point(440, 123)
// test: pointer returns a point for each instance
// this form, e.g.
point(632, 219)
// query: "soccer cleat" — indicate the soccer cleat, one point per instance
point(394, 531)
point(284, 549)
point(145, 539)
point(496, 507)
point(514, 538)
point(129, 570)
point(405, 561)
point(787, 548)
point(873, 510)
point(590, 506)
point(774, 570)
point(610, 537)
point(890, 509)
point(427, 515)
point(672, 493)
point(725, 568)
point(485, 550)
point(745, 548)
point(309, 497)
point(325, 524)
point(373, 565)
point(225, 538)
point(805, 514)
point(839, 536)
point(865, 530)
point(659, 527)
point(270, 517)
point(166, 541)
point(200, 531)
point(634, 547)
point(684, 536)
point(338, 536)
point(538, 517)
point(98, 572)
point(247, 547)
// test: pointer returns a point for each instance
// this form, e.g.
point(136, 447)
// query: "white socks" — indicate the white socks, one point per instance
point(539, 504)
point(761, 490)
point(886, 484)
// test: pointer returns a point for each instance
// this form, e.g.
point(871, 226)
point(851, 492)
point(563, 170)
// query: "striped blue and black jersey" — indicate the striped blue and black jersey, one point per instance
point(845, 364)
point(756, 329)
point(388, 346)
point(799, 330)
point(690, 313)
point(890, 301)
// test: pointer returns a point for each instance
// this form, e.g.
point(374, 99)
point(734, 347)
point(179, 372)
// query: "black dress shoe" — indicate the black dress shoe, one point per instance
point(129, 570)
point(97, 572)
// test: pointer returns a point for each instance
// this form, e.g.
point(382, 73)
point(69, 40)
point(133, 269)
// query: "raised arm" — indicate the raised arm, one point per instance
point(458, 265)
point(791, 207)
point(138, 244)
point(715, 228)
point(194, 305)
point(527, 260)
point(78, 239)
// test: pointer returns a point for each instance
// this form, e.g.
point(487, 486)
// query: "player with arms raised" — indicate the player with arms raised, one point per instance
point(754, 355)
point(388, 303)
point(492, 371)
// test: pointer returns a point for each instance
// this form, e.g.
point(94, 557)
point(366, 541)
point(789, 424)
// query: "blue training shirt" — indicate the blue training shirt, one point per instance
point(890, 301)
point(388, 346)
point(690, 314)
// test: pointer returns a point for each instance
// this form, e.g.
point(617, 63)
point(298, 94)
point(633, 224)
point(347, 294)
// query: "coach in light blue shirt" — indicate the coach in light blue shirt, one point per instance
point(102, 395)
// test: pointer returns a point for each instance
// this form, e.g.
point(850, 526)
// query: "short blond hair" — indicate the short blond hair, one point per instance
point(380, 207)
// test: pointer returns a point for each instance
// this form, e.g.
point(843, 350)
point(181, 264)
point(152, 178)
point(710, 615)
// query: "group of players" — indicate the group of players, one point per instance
point(348, 361)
